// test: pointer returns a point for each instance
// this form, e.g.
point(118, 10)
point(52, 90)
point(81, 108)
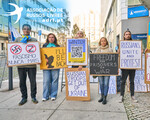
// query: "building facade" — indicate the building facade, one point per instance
point(117, 16)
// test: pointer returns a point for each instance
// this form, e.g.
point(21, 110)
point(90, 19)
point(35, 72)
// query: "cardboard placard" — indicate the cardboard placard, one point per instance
point(103, 64)
point(77, 84)
point(139, 84)
point(130, 54)
point(77, 51)
point(147, 67)
point(23, 54)
point(148, 36)
point(53, 58)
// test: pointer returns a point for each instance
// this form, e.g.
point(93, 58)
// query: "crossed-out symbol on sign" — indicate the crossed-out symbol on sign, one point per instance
point(30, 48)
point(15, 49)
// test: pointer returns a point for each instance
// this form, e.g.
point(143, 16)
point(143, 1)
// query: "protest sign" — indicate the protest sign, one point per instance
point(23, 54)
point(53, 58)
point(130, 54)
point(147, 67)
point(148, 35)
point(103, 64)
point(77, 51)
point(77, 84)
point(139, 84)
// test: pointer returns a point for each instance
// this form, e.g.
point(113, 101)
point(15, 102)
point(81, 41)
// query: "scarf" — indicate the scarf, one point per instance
point(106, 47)
point(25, 38)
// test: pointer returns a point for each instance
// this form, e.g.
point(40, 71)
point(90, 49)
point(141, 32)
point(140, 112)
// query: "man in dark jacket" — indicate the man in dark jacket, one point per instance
point(27, 69)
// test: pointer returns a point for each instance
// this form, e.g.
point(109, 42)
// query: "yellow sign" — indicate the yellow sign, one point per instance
point(148, 42)
point(53, 58)
point(148, 36)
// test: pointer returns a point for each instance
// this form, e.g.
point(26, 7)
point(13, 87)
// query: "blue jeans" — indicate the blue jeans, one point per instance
point(50, 83)
point(104, 84)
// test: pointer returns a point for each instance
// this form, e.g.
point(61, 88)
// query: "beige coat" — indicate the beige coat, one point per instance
point(105, 49)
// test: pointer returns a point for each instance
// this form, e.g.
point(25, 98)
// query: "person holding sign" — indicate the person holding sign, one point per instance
point(50, 77)
point(80, 34)
point(103, 80)
point(30, 69)
point(125, 73)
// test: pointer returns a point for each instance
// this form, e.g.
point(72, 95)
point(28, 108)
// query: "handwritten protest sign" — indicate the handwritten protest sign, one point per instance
point(112, 86)
point(77, 84)
point(103, 64)
point(130, 54)
point(148, 36)
point(23, 54)
point(53, 58)
point(147, 67)
point(77, 51)
point(139, 84)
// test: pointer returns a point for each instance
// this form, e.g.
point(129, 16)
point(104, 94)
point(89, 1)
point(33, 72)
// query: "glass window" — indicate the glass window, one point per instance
point(2, 46)
point(1, 27)
point(118, 7)
point(6, 29)
point(134, 2)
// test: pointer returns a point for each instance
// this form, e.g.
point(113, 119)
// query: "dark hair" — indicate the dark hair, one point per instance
point(55, 41)
point(125, 33)
point(26, 25)
point(105, 39)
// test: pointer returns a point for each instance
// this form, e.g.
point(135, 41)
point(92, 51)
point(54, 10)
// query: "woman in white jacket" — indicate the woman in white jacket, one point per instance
point(103, 80)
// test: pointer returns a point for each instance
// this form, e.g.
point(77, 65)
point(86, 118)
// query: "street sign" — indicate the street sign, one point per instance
point(139, 11)
point(40, 32)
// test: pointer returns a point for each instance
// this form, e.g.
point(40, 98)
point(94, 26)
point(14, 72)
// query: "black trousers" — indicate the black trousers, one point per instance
point(124, 76)
point(32, 77)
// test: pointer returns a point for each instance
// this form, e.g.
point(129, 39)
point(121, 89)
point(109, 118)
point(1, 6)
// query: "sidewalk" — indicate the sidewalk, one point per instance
point(61, 109)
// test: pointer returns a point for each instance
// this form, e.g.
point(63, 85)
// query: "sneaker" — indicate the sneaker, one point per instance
point(22, 102)
point(53, 99)
point(44, 99)
point(133, 99)
point(120, 99)
point(34, 100)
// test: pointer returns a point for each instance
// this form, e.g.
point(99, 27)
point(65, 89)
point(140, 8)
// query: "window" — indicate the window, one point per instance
point(39, 25)
point(2, 46)
point(1, 27)
point(118, 7)
point(134, 2)
point(45, 36)
point(6, 29)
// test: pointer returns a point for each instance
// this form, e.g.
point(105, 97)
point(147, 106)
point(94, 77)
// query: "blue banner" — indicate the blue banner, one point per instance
point(139, 11)
point(139, 36)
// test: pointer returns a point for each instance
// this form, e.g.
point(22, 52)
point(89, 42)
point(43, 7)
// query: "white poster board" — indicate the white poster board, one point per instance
point(77, 84)
point(23, 54)
point(130, 54)
point(147, 68)
point(139, 85)
point(112, 86)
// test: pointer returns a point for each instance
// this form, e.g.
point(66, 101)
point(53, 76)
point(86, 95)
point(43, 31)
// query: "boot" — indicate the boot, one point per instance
point(101, 99)
point(104, 100)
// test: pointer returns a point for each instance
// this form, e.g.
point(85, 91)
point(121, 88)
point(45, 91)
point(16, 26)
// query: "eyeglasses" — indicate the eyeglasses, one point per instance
point(26, 29)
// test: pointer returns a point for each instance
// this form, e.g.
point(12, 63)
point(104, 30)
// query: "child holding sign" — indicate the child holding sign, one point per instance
point(103, 80)
point(50, 77)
